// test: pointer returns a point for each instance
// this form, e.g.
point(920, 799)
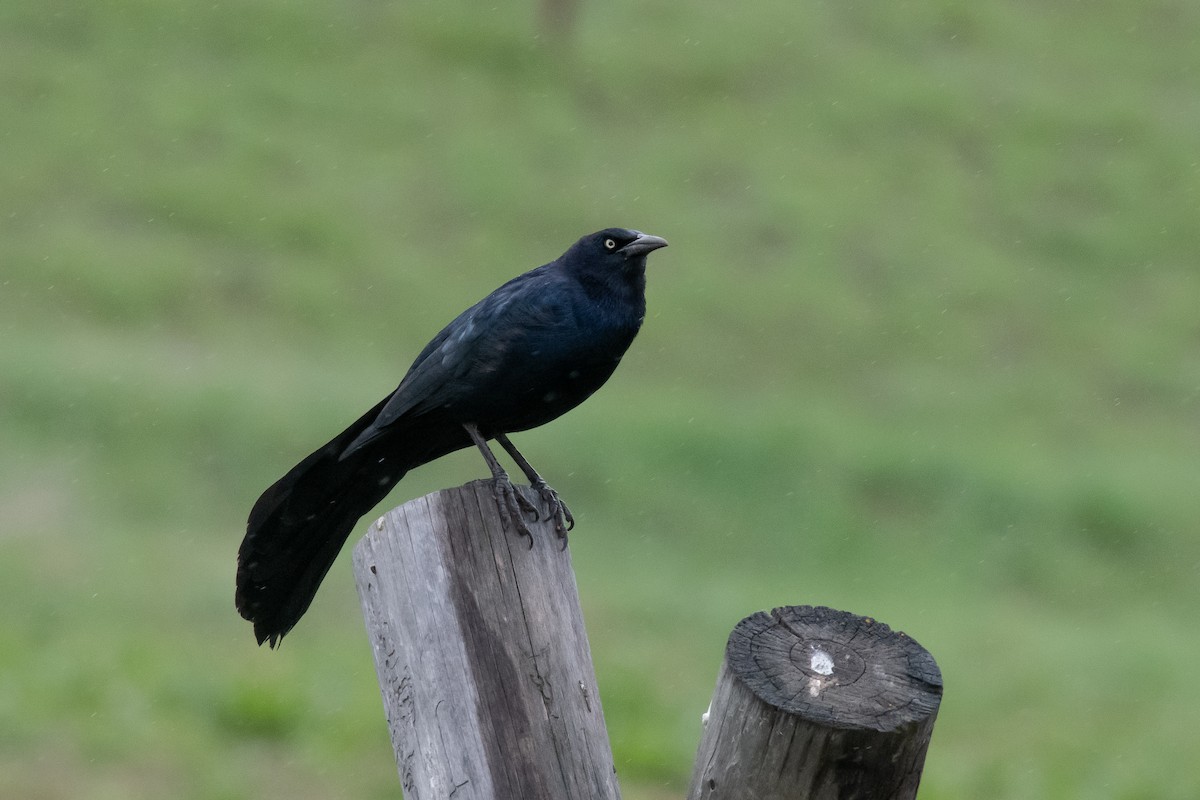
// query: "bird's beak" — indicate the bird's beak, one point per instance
point(643, 244)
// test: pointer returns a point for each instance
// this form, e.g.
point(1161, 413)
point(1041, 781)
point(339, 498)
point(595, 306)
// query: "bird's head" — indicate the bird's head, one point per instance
point(617, 249)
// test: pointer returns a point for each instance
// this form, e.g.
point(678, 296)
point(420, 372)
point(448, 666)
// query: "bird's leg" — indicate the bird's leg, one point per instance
point(563, 521)
point(511, 503)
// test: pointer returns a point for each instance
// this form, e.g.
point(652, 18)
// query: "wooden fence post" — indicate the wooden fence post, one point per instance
point(817, 704)
point(481, 654)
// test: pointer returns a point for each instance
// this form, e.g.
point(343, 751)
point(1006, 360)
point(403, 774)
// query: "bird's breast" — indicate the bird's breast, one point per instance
point(548, 375)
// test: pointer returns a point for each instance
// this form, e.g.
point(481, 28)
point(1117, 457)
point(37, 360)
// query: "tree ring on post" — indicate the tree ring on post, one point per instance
point(835, 668)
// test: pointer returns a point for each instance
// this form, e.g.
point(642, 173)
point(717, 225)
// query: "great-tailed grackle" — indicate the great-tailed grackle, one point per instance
point(531, 350)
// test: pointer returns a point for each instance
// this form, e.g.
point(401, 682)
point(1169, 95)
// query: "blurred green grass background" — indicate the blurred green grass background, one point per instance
point(925, 346)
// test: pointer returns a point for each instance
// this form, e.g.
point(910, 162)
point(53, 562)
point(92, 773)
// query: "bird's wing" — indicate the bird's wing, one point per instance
point(477, 342)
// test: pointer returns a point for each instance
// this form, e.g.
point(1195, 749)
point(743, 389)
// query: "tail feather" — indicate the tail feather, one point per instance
point(298, 526)
point(300, 523)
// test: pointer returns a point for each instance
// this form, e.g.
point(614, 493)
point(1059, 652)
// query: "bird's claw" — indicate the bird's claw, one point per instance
point(564, 521)
point(513, 507)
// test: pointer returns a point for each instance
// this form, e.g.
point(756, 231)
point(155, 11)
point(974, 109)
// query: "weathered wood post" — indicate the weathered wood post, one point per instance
point(481, 654)
point(817, 704)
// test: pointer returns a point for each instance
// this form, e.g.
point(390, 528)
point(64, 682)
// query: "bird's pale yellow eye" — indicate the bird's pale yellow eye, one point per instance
point(609, 244)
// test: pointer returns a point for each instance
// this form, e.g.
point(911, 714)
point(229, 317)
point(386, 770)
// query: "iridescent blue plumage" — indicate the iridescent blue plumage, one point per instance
point(533, 349)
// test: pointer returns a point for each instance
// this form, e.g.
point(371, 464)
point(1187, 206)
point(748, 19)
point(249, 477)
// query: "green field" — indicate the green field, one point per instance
point(925, 346)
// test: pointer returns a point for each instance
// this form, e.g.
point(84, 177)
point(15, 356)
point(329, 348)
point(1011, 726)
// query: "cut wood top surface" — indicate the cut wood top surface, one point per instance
point(835, 668)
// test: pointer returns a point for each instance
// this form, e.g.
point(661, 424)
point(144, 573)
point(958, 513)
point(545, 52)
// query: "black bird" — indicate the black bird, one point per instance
point(530, 351)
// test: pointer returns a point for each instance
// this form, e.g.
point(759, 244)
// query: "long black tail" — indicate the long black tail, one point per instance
point(300, 523)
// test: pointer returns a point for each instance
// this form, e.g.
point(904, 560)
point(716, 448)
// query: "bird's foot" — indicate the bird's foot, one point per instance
point(513, 507)
point(563, 519)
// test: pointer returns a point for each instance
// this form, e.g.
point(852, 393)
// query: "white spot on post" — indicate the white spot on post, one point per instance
point(822, 664)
